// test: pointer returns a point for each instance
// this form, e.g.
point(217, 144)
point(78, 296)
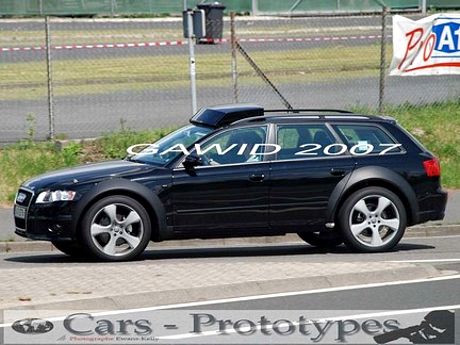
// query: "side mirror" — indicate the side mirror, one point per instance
point(191, 161)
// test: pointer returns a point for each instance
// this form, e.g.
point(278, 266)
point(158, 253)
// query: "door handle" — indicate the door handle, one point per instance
point(337, 172)
point(256, 177)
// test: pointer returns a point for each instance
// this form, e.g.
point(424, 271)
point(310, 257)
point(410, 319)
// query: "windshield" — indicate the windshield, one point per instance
point(186, 136)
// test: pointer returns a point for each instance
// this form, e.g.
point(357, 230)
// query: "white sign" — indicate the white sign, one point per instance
point(429, 46)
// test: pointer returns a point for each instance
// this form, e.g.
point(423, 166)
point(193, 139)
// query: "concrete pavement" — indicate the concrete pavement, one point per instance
point(114, 286)
point(49, 280)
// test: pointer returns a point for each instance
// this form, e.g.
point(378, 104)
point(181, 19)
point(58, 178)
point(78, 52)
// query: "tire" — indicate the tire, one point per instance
point(72, 249)
point(372, 219)
point(322, 240)
point(116, 228)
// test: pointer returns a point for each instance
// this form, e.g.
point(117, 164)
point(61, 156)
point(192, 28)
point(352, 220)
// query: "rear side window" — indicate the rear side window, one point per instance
point(361, 136)
point(293, 138)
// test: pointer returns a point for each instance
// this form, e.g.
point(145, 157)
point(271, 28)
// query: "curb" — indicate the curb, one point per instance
point(417, 231)
point(158, 298)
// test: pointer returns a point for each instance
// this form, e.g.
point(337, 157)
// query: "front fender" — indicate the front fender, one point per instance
point(368, 176)
point(126, 187)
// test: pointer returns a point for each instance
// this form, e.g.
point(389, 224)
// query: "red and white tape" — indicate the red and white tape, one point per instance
point(182, 42)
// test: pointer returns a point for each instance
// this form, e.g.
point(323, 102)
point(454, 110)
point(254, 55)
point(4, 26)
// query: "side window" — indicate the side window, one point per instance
point(292, 137)
point(361, 136)
point(229, 147)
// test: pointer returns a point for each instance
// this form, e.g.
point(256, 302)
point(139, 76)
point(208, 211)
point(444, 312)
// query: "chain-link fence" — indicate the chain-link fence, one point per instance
point(108, 74)
point(124, 7)
point(329, 62)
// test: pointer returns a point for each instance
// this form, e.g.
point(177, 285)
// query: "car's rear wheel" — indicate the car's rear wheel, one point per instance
point(73, 249)
point(322, 240)
point(372, 219)
point(116, 228)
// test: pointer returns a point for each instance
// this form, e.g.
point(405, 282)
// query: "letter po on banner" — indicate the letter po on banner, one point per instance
point(429, 46)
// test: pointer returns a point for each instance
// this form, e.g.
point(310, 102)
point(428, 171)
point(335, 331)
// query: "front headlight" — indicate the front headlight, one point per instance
point(57, 195)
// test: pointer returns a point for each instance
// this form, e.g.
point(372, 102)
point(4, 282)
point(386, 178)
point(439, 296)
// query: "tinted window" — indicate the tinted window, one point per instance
point(231, 142)
point(186, 136)
point(292, 137)
point(361, 136)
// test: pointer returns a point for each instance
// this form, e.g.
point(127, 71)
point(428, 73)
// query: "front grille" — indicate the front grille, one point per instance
point(28, 197)
point(23, 199)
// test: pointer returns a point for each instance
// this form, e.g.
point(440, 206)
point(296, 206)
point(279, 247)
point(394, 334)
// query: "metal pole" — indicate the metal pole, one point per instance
point(192, 62)
point(261, 74)
point(234, 62)
point(255, 8)
point(40, 7)
point(424, 6)
point(50, 80)
point(382, 60)
point(112, 8)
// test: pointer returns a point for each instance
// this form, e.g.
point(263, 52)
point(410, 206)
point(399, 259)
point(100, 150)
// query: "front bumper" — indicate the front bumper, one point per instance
point(48, 222)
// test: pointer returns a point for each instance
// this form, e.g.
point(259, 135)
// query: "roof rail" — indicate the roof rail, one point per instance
point(340, 111)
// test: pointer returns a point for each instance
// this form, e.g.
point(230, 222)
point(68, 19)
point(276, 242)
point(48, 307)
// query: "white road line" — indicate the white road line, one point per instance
point(406, 239)
point(178, 43)
point(425, 260)
point(258, 297)
point(335, 318)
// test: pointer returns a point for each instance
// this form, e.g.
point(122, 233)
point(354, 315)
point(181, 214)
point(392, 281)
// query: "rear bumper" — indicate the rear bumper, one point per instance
point(432, 206)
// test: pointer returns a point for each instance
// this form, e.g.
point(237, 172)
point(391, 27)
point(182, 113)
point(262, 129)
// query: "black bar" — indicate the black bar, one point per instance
point(340, 111)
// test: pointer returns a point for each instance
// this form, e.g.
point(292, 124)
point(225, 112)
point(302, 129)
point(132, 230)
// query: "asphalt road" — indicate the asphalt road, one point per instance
point(137, 31)
point(395, 300)
point(404, 303)
point(83, 54)
point(430, 248)
point(90, 116)
point(173, 23)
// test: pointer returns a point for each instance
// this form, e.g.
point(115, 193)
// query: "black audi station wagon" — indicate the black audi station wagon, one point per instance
point(330, 176)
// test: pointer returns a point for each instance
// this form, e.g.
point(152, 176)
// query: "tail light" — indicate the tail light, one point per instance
point(432, 167)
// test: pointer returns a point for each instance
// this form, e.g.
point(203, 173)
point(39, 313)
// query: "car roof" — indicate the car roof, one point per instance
point(238, 114)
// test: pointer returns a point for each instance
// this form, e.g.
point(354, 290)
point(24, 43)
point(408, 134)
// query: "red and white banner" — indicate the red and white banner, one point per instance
point(429, 46)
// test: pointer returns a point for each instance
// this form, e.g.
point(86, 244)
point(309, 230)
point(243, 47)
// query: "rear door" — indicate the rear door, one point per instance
point(302, 182)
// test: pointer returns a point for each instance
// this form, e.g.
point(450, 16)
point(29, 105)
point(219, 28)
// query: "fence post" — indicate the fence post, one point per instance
point(112, 8)
point(192, 60)
point(423, 5)
point(49, 73)
point(234, 62)
point(382, 60)
point(40, 7)
point(255, 8)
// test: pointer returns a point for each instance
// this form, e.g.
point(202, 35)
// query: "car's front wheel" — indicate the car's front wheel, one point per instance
point(372, 219)
point(116, 228)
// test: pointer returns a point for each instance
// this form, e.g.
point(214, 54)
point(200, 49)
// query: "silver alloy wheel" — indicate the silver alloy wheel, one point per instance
point(374, 220)
point(117, 229)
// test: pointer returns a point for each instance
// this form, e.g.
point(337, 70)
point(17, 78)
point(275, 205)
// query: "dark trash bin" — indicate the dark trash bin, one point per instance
point(214, 21)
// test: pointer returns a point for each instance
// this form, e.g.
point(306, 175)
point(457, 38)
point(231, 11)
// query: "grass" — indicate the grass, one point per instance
point(26, 159)
point(73, 77)
point(436, 125)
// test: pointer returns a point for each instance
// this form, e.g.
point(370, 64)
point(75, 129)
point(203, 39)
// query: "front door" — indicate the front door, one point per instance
point(227, 192)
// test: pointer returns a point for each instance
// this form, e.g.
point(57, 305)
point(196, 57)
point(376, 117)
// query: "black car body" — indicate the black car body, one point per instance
point(181, 196)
